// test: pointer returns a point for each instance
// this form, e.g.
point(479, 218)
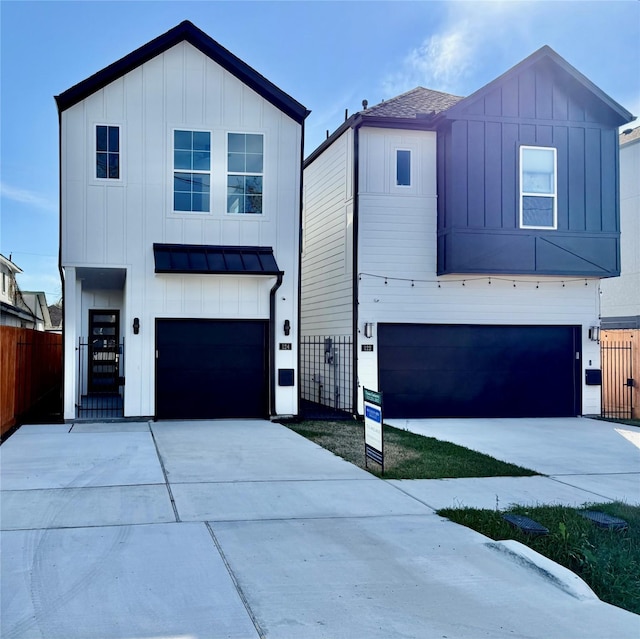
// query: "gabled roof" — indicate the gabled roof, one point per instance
point(545, 52)
point(14, 268)
point(188, 32)
point(413, 104)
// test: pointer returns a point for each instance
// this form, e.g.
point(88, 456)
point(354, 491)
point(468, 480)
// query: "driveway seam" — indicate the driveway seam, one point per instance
point(164, 473)
point(243, 598)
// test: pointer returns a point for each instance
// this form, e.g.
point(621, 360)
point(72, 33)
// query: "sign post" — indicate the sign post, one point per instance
point(373, 440)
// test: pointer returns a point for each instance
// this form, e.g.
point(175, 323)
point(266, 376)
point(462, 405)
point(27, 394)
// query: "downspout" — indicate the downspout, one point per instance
point(272, 344)
point(354, 267)
point(60, 270)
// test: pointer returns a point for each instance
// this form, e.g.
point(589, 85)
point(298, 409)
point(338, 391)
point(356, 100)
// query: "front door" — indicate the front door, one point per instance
point(104, 354)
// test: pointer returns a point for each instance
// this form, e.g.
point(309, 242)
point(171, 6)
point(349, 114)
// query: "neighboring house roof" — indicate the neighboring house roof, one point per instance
point(36, 301)
point(55, 313)
point(215, 260)
point(188, 32)
point(412, 104)
point(630, 135)
point(14, 268)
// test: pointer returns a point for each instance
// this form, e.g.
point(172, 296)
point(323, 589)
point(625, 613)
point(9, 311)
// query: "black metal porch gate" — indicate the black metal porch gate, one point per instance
point(617, 379)
point(326, 371)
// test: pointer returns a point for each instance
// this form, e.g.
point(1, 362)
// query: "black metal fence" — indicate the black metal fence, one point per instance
point(617, 379)
point(327, 372)
point(100, 380)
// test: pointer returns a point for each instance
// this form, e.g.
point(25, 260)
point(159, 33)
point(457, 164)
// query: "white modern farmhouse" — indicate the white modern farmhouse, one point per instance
point(180, 178)
point(453, 248)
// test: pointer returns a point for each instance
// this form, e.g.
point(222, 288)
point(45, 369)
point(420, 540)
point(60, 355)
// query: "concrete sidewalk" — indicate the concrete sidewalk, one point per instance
point(245, 529)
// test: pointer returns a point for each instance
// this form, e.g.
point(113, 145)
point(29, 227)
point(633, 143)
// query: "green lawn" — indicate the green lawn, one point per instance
point(406, 455)
point(609, 561)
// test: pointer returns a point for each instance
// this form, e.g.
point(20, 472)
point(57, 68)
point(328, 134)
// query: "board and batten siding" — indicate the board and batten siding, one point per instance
point(397, 241)
point(327, 255)
point(114, 223)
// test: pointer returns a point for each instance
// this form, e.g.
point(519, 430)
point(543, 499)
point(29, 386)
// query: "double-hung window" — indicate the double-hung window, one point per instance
point(245, 161)
point(191, 171)
point(538, 187)
point(107, 152)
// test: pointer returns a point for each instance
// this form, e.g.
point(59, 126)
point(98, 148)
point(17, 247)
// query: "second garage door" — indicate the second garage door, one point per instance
point(207, 369)
point(479, 371)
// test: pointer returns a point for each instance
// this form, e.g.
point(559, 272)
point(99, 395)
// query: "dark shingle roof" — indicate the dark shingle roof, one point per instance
point(418, 101)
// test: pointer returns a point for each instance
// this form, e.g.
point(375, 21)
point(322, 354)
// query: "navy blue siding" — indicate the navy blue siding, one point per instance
point(478, 181)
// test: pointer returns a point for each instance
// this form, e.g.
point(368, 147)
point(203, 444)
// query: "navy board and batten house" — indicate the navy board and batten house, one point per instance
point(180, 191)
point(457, 244)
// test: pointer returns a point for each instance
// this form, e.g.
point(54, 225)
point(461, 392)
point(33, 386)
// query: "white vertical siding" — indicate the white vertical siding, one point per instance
point(114, 223)
point(621, 295)
point(327, 227)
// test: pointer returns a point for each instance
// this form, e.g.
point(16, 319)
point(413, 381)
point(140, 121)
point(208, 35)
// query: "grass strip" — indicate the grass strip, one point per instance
point(406, 455)
point(608, 561)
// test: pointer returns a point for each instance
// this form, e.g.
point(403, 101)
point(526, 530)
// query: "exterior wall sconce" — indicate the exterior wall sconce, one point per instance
point(368, 329)
point(594, 333)
point(136, 325)
point(287, 327)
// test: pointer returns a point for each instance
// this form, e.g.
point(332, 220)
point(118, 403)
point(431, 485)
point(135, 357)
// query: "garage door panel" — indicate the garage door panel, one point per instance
point(209, 369)
point(479, 370)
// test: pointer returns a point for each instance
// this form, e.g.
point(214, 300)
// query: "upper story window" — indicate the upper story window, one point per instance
point(107, 152)
point(191, 171)
point(538, 187)
point(403, 167)
point(245, 160)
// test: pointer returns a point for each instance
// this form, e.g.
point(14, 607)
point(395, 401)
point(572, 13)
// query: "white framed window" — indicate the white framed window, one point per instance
point(107, 152)
point(403, 167)
point(538, 187)
point(245, 173)
point(191, 171)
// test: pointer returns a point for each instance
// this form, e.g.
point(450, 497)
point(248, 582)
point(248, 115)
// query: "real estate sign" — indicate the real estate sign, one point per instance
point(373, 440)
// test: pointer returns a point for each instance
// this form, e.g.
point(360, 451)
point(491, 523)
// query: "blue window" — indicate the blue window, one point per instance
point(538, 194)
point(403, 168)
point(245, 163)
point(107, 152)
point(191, 171)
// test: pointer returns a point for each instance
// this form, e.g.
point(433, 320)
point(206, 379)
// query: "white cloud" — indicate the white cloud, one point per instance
point(448, 59)
point(30, 198)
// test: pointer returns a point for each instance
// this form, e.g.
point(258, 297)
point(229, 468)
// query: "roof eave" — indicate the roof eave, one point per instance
point(185, 31)
point(545, 51)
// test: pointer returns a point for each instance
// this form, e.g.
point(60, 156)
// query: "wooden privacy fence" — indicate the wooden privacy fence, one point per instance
point(30, 367)
point(620, 358)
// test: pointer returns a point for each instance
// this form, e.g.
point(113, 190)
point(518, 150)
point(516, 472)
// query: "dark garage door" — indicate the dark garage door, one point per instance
point(479, 371)
point(211, 369)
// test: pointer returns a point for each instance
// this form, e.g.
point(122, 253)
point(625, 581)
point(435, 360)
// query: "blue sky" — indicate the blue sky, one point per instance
point(327, 55)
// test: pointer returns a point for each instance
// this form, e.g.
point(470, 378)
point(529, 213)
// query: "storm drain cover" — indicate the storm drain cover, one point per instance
point(526, 525)
point(602, 520)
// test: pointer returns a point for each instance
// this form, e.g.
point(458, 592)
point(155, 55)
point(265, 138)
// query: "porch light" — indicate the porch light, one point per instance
point(594, 333)
point(136, 325)
point(368, 329)
point(287, 327)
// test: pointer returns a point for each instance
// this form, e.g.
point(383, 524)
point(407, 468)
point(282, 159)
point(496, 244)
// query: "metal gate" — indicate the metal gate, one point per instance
point(617, 379)
point(327, 372)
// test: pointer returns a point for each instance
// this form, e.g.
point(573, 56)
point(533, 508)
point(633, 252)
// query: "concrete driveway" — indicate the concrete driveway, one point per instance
point(584, 460)
point(244, 529)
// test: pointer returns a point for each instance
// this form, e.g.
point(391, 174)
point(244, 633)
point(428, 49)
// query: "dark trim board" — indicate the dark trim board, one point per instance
point(212, 369)
point(446, 370)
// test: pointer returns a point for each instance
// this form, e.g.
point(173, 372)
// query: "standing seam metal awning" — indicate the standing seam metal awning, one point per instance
point(215, 260)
